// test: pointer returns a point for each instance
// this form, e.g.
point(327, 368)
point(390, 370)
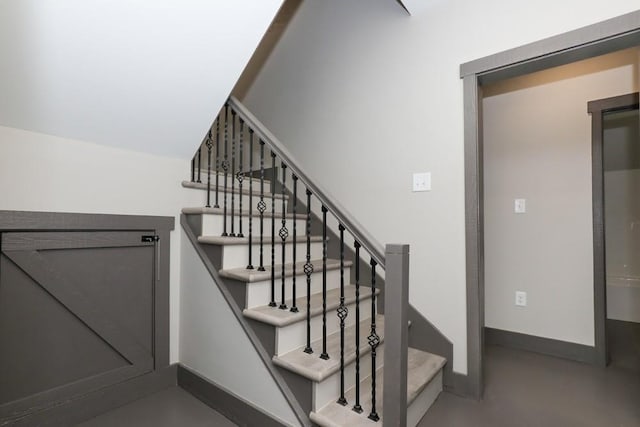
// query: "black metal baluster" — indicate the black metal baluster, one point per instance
point(374, 341)
point(250, 265)
point(308, 270)
point(324, 354)
point(209, 146)
point(294, 308)
point(233, 173)
point(273, 230)
point(240, 178)
point(225, 168)
point(284, 233)
point(216, 205)
point(357, 408)
point(193, 169)
point(261, 206)
point(199, 162)
point(343, 311)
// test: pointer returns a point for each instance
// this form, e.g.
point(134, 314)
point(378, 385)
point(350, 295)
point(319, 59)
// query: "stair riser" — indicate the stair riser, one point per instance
point(259, 293)
point(237, 256)
point(213, 225)
point(424, 400)
point(294, 336)
point(328, 389)
point(245, 202)
point(245, 182)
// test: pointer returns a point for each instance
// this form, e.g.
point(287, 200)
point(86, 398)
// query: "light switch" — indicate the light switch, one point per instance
point(422, 181)
point(520, 206)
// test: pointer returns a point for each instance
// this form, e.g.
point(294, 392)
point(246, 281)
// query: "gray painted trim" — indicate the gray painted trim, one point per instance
point(575, 45)
point(50, 221)
point(396, 318)
point(341, 214)
point(548, 346)
point(598, 109)
point(251, 334)
point(596, 39)
point(89, 405)
point(474, 236)
point(233, 407)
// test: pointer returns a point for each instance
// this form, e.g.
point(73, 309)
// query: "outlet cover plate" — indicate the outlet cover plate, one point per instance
point(422, 181)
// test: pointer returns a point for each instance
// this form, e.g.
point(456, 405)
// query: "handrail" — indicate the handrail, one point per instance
point(375, 249)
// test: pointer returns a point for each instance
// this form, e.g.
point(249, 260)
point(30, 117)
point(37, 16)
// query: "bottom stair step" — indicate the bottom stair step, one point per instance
point(424, 384)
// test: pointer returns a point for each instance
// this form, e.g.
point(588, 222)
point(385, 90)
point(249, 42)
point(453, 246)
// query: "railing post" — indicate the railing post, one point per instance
point(396, 306)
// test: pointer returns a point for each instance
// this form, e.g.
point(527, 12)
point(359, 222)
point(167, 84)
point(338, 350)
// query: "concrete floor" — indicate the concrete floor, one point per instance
point(522, 390)
point(530, 390)
point(172, 407)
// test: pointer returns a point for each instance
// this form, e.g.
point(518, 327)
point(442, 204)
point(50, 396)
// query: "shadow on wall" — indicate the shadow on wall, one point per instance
point(266, 46)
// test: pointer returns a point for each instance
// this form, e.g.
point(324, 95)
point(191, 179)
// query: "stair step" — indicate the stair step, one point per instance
point(276, 317)
point(254, 275)
point(228, 240)
point(236, 190)
point(258, 283)
point(237, 213)
point(312, 367)
point(235, 250)
point(256, 181)
point(423, 372)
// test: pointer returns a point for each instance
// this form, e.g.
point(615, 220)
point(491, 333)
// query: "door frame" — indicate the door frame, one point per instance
point(587, 42)
point(598, 108)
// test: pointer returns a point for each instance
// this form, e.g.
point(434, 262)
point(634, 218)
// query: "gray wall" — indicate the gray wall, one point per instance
point(364, 95)
point(537, 146)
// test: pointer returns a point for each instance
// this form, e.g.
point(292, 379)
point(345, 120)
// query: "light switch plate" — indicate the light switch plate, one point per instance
point(422, 181)
point(520, 206)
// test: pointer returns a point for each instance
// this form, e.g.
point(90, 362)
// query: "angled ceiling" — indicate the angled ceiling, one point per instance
point(147, 76)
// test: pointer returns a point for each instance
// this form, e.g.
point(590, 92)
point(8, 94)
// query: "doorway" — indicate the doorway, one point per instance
point(616, 229)
point(605, 37)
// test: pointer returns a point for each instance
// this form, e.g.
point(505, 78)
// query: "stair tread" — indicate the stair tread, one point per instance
point(236, 189)
point(422, 367)
point(244, 213)
point(316, 369)
point(256, 276)
point(275, 316)
point(228, 240)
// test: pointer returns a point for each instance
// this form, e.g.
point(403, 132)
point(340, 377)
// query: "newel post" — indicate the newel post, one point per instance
point(396, 304)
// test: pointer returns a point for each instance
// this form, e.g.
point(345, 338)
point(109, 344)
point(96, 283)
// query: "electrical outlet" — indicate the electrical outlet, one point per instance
point(520, 206)
point(521, 299)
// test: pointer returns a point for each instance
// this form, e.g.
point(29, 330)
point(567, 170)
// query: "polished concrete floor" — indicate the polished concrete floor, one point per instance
point(172, 407)
point(530, 390)
point(522, 390)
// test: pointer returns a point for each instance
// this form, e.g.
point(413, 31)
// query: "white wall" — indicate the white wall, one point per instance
point(46, 173)
point(213, 343)
point(144, 75)
point(365, 91)
point(537, 146)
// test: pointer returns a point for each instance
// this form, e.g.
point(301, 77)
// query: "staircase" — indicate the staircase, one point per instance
point(309, 286)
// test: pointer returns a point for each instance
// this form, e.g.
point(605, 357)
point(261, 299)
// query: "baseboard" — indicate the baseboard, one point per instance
point(224, 401)
point(94, 403)
point(548, 346)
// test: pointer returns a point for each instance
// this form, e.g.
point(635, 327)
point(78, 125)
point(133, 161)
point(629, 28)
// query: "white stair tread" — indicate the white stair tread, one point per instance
point(244, 213)
point(236, 189)
point(257, 276)
point(422, 367)
point(228, 240)
point(275, 316)
point(316, 369)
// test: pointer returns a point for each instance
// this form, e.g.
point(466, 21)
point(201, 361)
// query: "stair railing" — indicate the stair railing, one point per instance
point(236, 130)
